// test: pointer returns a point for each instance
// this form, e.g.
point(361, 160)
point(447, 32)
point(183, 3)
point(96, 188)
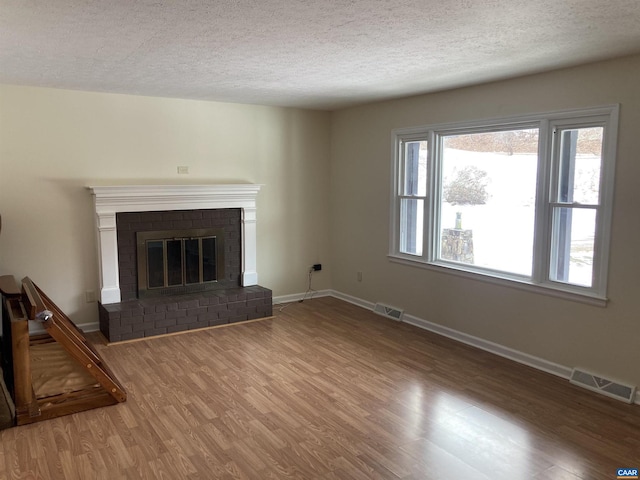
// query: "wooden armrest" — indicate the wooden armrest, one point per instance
point(8, 286)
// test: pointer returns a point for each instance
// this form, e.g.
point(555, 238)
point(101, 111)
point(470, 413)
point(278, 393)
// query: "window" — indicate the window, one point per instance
point(525, 200)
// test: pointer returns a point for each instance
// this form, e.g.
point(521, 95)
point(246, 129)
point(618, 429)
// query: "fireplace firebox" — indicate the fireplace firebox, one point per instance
point(175, 262)
point(180, 252)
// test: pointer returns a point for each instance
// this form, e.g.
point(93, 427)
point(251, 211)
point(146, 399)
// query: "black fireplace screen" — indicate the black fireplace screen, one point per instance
point(179, 261)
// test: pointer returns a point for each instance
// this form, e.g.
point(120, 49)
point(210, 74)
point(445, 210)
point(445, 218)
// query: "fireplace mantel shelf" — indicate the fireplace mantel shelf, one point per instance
point(132, 198)
point(113, 199)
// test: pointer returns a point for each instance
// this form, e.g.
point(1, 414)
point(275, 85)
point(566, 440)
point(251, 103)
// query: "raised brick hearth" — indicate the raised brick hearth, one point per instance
point(156, 316)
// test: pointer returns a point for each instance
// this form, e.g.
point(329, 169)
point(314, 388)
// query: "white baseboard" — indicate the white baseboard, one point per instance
point(296, 297)
point(355, 300)
point(538, 363)
point(89, 327)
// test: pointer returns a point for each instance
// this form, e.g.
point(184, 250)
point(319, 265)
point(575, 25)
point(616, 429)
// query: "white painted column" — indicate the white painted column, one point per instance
point(108, 253)
point(249, 247)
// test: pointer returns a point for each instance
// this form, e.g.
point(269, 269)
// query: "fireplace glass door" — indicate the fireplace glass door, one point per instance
point(174, 262)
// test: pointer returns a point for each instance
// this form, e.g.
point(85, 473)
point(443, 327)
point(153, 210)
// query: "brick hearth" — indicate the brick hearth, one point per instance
point(156, 316)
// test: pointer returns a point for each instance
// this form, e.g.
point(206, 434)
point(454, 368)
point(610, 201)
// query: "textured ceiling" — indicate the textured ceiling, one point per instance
point(302, 53)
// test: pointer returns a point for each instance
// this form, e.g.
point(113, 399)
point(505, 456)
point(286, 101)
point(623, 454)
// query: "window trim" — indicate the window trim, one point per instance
point(540, 280)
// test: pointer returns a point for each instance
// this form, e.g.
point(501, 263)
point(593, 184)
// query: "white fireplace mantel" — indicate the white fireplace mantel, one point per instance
point(109, 200)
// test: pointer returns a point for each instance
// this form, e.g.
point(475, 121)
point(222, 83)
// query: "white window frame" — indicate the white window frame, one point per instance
point(546, 187)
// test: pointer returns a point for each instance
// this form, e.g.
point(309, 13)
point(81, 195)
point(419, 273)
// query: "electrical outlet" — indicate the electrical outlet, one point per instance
point(90, 296)
point(359, 276)
point(317, 267)
point(183, 170)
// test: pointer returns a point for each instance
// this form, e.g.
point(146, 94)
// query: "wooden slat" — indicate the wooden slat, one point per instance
point(40, 338)
point(31, 300)
point(15, 310)
point(24, 397)
point(66, 404)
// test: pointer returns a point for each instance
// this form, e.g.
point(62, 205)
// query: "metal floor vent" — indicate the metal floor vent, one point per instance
point(390, 312)
point(612, 389)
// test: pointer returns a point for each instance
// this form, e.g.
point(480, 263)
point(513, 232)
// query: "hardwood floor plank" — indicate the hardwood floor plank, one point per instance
point(557, 473)
point(327, 390)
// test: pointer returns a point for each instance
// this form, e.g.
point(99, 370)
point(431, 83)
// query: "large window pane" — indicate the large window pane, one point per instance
point(579, 162)
point(411, 225)
point(488, 199)
point(415, 168)
point(573, 245)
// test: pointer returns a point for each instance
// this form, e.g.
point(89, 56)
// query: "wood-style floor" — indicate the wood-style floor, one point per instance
point(330, 391)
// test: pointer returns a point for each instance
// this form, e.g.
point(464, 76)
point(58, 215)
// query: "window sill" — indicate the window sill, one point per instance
point(520, 284)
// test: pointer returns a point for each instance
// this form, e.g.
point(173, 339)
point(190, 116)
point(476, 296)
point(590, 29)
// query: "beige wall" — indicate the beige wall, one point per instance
point(605, 340)
point(53, 143)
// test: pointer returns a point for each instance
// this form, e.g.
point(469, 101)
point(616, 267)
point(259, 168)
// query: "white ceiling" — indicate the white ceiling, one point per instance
point(302, 53)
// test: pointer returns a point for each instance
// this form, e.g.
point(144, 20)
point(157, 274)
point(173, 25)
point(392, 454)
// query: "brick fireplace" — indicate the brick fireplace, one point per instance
point(124, 213)
point(129, 225)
